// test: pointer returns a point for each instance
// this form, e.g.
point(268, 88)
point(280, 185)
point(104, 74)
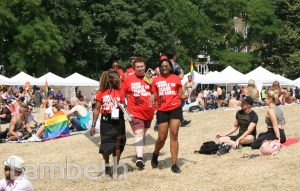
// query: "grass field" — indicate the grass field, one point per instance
point(200, 172)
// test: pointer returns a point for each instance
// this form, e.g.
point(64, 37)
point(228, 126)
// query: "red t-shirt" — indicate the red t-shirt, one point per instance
point(129, 71)
point(139, 93)
point(106, 102)
point(167, 92)
point(121, 73)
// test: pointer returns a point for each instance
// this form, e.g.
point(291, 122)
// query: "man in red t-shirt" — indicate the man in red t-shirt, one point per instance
point(138, 92)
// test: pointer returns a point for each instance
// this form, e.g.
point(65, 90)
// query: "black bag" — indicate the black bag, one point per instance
point(196, 108)
point(208, 148)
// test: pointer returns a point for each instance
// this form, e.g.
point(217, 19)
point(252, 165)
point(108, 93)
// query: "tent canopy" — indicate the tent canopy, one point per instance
point(227, 76)
point(197, 77)
point(80, 80)
point(231, 76)
point(210, 77)
point(297, 82)
point(263, 76)
point(53, 80)
point(22, 78)
point(4, 80)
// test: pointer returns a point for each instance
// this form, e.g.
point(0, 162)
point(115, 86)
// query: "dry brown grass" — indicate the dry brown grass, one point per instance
point(200, 172)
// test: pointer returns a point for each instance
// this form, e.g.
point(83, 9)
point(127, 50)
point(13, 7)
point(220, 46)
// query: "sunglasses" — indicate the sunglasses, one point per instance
point(30, 109)
point(165, 67)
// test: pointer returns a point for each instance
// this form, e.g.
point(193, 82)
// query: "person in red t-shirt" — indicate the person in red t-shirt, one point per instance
point(112, 123)
point(139, 92)
point(130, 71)
point(167, 95)
point(115, 65)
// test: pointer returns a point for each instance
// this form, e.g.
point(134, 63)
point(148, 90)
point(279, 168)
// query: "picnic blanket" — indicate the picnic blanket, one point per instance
point(56, 127)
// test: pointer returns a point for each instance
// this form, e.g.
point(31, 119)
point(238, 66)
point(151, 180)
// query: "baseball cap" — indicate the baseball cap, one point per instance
point(163, 58)
point(15, 162)
point(248, 100)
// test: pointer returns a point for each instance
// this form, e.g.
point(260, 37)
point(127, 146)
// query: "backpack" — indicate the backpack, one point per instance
point(208, 148)
point(196, 108)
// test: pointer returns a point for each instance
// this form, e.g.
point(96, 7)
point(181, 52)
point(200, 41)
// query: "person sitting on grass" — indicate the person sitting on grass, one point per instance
point(245, 120)
point(53, 127)
point(80, 115)
point(48, 111)
point(18, 127)
point(274, 120)
point(31, 118)
point(5, 113)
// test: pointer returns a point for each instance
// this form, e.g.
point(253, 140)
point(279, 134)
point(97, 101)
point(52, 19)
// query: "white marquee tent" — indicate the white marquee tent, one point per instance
point(53, 80)
point(263, 76)
point(4, 80)
point(210, 77)
point(297, 82)
point(86, 85)
point(197, 77)
point(227, 76)
point(80, 80)
point(21, 78)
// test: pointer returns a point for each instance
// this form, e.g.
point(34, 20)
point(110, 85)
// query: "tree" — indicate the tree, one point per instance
point(32, 41)
point(285, 49)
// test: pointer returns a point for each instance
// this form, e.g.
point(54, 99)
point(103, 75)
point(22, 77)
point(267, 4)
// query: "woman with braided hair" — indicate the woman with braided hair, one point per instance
point(112, 124)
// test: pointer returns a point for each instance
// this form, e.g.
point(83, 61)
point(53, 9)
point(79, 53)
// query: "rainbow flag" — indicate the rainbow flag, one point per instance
point(56, 126)
point(192, 70)
point(46, 88)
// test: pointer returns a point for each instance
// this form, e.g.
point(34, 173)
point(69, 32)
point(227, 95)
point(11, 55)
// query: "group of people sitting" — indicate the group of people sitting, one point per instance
point(246, 121)
point(59, 119)
point(212, 99)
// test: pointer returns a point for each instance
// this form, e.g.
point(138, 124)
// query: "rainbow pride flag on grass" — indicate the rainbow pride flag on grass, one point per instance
point(56, 126)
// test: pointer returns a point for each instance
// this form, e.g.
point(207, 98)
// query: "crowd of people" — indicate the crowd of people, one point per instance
point(220, 98)
point(17, 107)
point(127, 95)
point(166, 96)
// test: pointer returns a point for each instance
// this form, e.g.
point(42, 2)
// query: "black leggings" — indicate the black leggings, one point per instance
point(3, 134)
point(269, 135)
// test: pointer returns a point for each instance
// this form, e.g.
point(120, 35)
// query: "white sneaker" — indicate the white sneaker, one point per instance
point(34, 138)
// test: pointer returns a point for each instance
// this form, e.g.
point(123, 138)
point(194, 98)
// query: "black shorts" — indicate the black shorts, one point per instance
point(166, 116)
point(269, 135)
point(235, 137)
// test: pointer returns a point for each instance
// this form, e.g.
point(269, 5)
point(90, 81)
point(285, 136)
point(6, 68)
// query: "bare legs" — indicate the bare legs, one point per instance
point(163, 129)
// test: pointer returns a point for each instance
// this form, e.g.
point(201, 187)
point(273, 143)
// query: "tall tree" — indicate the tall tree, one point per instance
point(285, 52)
point(32, 42)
